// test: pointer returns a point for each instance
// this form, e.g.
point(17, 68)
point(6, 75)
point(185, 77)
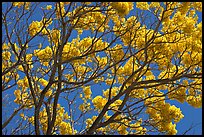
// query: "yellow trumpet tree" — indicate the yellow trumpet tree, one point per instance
point(99, 67)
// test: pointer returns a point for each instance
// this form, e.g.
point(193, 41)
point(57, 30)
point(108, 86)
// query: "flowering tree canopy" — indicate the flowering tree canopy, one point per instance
point(99, 67)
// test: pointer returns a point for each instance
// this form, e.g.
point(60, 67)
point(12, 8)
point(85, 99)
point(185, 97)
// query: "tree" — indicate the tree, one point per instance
point(94, 68)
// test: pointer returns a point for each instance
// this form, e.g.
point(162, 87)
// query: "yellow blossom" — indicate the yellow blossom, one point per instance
point(48, 7)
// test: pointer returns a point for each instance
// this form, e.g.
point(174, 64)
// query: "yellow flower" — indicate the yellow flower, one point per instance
point(114, 91)
point(17, 93)
point(87, 92)
point(55, 36)
point(99, 102)
point(34, 28)
point(154, 4)
point(5, 46)
point(6, 55)
point(29, 59)
point(65, 128)
point(60, 10)
point(66, 116)
point(48, 93)
point(142, 5)
point(46, 21)
point(48, 7)
point(109, 81)
point(31, 120)
point(89, 122)
point(116, 104)
point(195, 101)
point(80, 31)
point(43, 82)
point(19, 4)
point(122, 8)
point(185, 82)
point(81, 107)
point(23, 116)
point(197, 6)
point(44, 55)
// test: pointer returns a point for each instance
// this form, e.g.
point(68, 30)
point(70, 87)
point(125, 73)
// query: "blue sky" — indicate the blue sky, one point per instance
point(191, 115)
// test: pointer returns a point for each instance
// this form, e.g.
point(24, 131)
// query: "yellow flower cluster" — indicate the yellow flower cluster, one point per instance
point(5, 46)
point(60, 10)
point(36, 26)
point(23, 116)
point(139, 93)
point(134, 33)
point(139, 129)
point(191, 58)
point(6, 55)
point(142, 5)
point(91, 18)
point(23, 83)
point(122, 127)
point(87, 92)
point(9, 76)
point(48, 7)
point(122, 8)
point(44, 55)
point(77, 48)
point(54, 36)
point(162, 115)
point(5, 79)
point(189, 48)
point(114, 92)
point(179, 94)
point(155, 100)
point(19, 4)
point(85, 106)
point(113, 126)
point(69, 51)
point(100, 44)
point(185, 22)
point(48, 93)
point(116, 52)
point(86, 44)
point(189, 25)
point(115, 105)
point(64, 127)
point(122, 130)
point(195, 101)
point(90, 121)
point(197, 6)
point(99, 79)
point(153, 5)
point(22, 98)
point(126, 70)
point(44, 83)
point(102, 61)
point(109, 81)
point(129, 68)
point(99, 102)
